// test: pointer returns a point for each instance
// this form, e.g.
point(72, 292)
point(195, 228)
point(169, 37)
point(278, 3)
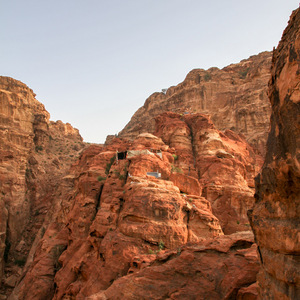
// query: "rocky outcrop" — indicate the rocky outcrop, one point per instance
point(115, 212)
point(216, 269)
point(275, 217)
point(219, 165)
point(235, 97)
point(130, 205)
point(35, 154)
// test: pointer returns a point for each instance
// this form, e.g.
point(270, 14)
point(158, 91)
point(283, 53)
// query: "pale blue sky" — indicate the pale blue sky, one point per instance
point(93, 63)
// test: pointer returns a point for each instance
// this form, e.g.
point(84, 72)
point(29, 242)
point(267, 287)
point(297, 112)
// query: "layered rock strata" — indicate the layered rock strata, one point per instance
point(213, 270)
point(116, 212)
point(275, 217)
point(223, 163)
point(235, 97)
point(133, 205)
point(34, 156)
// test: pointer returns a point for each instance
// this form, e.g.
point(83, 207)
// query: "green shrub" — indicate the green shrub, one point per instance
point(175, 156)
point(108, 165)
point(175, 169)
point(207, 77)
point(43, 230)
point(244, 73)
point(117, 172)
point(122, 177)
point(161, 245)
point(100, 178)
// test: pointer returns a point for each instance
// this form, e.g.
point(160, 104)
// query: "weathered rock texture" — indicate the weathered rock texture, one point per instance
point(34, 155)
point(275, 218)
point(215, 269)
point(219, 165)
point(114, 213)
point(111, 218)
point(154, 214)
point(235, 97)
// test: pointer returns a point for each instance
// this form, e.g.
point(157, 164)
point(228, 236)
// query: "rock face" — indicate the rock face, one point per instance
point(133, 206)
point(205, 153)
point(235, 97)
point(275, 217)
point(34, 155)
point(115, 212)
point(212, 270)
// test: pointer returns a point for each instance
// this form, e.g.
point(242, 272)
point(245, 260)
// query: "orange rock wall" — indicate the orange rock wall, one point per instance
point(235, 98)
point(34, 156)
point(220, 164)
point(86, 231)
point(275, 217)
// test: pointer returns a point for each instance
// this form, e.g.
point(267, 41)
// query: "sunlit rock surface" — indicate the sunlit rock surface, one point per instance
point(235, 98)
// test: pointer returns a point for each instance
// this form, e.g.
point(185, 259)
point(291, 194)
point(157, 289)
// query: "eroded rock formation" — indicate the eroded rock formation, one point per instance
point(136, 204)
point(223, 162)
point(275, 218)
point(231, 96)
point(144, 216)
point(115, 213)
point(215, 269)
point(34, 155)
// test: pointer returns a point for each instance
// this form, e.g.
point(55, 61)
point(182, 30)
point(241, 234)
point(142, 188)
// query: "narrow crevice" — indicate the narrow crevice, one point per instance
point(126, 168)
point(193, 150)
point(260, 256)
point(150, 243)
point(101, 256)
point(188, 218)
point(121, 204)
point(99, 196)
point(97, 206)
point(7, 248)
point(187, 223)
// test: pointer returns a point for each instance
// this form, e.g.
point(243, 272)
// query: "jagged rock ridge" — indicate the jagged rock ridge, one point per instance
point(235, 97)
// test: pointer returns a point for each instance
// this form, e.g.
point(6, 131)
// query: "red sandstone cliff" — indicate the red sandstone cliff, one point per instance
point(235, 97)
point(110, 219)
point(223, 162)
point(101, 228)
point(275, 218)
point(34, 156)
